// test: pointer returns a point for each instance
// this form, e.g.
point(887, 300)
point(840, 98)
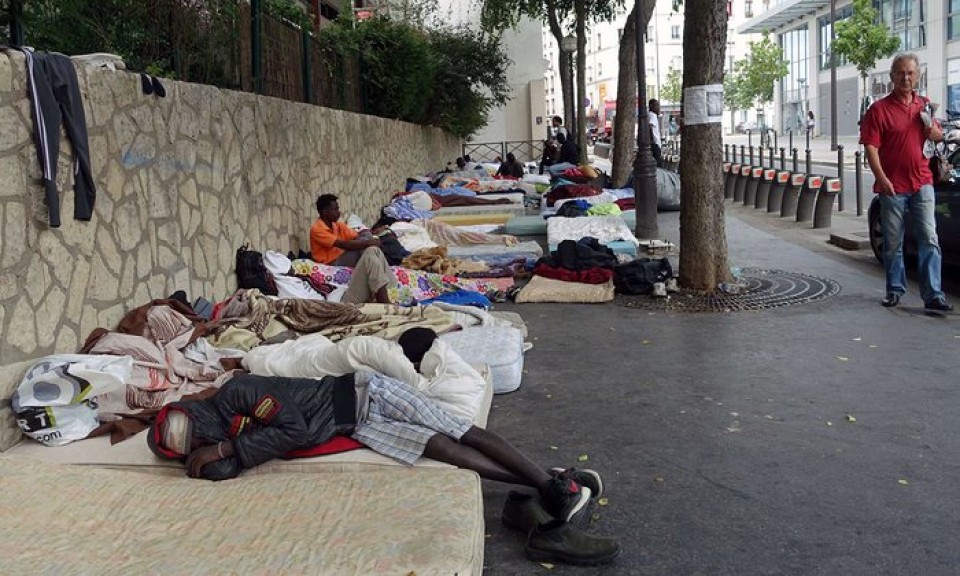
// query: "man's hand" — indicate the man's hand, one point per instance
point(374, 241)
point(933, 132)
point(886, 187)
point(200, 458)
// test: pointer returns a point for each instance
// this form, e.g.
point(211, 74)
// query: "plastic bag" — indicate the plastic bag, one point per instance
point(56, 402)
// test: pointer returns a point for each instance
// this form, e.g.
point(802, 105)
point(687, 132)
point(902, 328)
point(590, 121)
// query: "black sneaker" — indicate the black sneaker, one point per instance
point(558, 541)
point(891, 300)
point(939, 304)
point(564, 499)
point(584, 477)
point(523, 512)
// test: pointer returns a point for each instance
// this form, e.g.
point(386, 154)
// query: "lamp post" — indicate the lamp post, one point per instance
point(833, 77)
point(802, 115)
point(569, 45)
point(644, 166)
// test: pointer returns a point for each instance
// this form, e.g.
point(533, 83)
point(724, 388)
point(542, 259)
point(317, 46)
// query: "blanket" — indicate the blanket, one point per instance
point(447, 235)
point(436, 260)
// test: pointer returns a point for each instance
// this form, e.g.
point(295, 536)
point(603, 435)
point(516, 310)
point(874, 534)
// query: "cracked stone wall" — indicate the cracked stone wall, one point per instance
point(182, 181)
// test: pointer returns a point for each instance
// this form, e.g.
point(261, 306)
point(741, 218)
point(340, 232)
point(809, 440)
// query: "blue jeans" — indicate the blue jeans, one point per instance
point(920, 206)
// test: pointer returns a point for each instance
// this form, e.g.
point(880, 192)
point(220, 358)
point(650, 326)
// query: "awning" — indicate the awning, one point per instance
point(781, 15)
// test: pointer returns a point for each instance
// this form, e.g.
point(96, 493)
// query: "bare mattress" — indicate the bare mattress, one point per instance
point(91, 521)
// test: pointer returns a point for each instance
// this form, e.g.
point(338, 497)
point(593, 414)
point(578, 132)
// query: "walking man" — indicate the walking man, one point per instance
point(893, 133)
point(653, 114)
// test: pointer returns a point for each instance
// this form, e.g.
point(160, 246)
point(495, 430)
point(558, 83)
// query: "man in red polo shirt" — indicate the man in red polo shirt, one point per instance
point(893, 132)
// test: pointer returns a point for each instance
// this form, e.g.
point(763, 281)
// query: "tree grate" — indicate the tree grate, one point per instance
point(760, 289)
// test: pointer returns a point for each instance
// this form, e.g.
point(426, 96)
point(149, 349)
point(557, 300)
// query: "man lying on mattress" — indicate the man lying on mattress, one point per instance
point(333, 242)
point(255, 418)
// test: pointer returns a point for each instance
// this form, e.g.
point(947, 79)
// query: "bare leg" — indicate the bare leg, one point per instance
point(445, 449)
point(505, 454)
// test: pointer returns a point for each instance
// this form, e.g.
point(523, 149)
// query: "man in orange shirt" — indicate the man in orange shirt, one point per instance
point(333, 242)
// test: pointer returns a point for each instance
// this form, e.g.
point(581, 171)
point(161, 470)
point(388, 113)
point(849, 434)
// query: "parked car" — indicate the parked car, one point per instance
point(947, 215)
point(742, 127)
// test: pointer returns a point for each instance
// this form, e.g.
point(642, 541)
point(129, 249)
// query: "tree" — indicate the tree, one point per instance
point(759, 72)
point(735, 97)
point(862, 41)
point(703, 242)
point(672, 88)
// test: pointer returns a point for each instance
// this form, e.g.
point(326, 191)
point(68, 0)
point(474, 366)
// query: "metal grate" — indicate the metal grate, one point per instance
point(760, 289)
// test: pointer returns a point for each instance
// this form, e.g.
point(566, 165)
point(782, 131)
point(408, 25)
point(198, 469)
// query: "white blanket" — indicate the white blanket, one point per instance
point(605, 229)
point(444, 377)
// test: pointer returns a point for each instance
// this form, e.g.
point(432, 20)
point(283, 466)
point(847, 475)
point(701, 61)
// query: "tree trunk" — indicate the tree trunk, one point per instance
point(625, 121)
point(564, 63)
point(703, 241)
point(580, 7)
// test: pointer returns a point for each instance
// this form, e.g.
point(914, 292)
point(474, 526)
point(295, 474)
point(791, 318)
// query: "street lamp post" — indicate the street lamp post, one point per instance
point(644, 166)
point(833, 77)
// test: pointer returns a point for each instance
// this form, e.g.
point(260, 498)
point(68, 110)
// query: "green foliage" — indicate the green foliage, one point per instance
point(287, 10)
point(861, 40)
point(755, 76)
point(672, 89)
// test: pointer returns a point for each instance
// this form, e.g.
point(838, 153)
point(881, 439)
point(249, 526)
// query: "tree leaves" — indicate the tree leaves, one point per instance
point(861, 40)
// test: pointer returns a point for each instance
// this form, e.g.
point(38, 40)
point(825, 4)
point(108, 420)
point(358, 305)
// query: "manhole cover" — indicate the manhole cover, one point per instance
point(760, 289)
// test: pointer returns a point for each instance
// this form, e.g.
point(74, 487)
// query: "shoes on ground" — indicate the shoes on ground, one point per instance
point(891, 300)
point(584, 477)
point(564, 499)
point(939, 304)
point(523, 512)
point(558, 541)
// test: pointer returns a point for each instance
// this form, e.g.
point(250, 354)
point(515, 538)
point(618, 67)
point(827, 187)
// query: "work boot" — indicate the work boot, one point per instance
point(523, 512)
point(558, 541)
point(564, 499)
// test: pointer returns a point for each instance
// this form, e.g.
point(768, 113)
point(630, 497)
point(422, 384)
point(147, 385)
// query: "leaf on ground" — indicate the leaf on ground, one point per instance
point(644, 341)
point(547, 565)
point(768, 417)
point(658, 479)
point(554, 448)
point(872, 346)
point(582, 458)
point(594, 518)
point(829, 423)
point(842, 358)
point(857, 339)
point(902, 482)
point(549, 396)
point(850, 418)
point(612, 329)
point(603, 502)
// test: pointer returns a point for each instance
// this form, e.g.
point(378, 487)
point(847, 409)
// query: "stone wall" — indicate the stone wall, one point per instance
point(182, 181)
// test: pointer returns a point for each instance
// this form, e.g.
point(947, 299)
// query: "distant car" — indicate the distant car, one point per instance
point(948, 222)
point(742, 127)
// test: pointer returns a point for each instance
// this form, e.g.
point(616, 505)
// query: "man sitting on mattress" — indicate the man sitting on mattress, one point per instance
point(254, 419)
point(333, 242)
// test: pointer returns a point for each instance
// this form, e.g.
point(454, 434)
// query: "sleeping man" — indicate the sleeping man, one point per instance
point(256, 418)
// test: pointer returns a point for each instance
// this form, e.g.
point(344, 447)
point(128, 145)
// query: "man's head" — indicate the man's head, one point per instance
point(511, 158)
point(328, 208)
point(461, 163)
point(172, 434)
point(416, 342)
point(654, 105)
point(556, 121)
point(561, 138)
point(905, 73)
point(466, 158)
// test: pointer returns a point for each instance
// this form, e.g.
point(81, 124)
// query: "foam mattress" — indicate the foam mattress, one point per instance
point(500, 347)
point(94, 521)
point(537, 226)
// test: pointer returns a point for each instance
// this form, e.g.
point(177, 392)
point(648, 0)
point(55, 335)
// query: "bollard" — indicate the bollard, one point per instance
point(795, 169)
point(808, 197)
point(726, 152)
point(791, 139)
point(741, 186)
point(823, 212)
point(773, 156)
point(858, 182)
point(775, 201)
point(763, 190)
point(783, 158)
point(750, 138)
point(788, 206)
point(733, 170)
point(751, 154)
point(743, 154)
point(809, 161)
point(760, 163)
point(750, 192)
point(840, 176)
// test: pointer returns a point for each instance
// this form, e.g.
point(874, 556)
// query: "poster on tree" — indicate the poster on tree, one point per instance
point(703, 104)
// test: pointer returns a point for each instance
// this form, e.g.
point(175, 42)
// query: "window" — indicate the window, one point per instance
point(953, 19)
point(589, 73)
point(675, 32)
point(823, 26)
point(599, 70)
point(907, 20)
point(649, 34)
point(599, 44)
point(748, 8)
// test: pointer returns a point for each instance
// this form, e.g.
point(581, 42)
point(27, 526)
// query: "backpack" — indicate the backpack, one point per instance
point(251, 272)
point(638, 277)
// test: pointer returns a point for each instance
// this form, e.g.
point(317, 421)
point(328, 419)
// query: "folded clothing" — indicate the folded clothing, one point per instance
point(585, 276)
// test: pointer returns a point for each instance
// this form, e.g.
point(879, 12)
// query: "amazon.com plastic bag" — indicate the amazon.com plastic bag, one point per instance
point(56, 402)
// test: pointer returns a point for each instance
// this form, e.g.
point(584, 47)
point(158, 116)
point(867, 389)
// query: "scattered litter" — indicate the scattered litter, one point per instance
point(829, 423)
point(857, 339)
point(612, 329)
point(735, 427)
point(768, 417)
point(547, 565)
point(603, 502)
point(659, 479)
point(594, 518)
point(872, 346)
point(850, 418)
point(554, 448)
point(734, 414)
point(582, 458)
point(549, 396)
point(902, 482)
point(842, 358)
point(526, 371)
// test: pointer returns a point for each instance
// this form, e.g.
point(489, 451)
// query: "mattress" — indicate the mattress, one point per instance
point(471, 219)
point(527, 247)
point(516, 197)
point(515, 208)
point(499, 347)
point(605, 229)
point(94, 521)
point(537, 226)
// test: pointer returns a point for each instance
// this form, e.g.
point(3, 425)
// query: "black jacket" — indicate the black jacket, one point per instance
point(267, 417)
point(569, 153)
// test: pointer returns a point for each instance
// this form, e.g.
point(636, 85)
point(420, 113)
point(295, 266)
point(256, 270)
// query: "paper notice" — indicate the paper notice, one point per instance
point(703, 104)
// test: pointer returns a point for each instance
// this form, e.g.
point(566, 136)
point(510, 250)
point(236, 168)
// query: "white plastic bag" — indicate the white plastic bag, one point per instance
point(56, 402)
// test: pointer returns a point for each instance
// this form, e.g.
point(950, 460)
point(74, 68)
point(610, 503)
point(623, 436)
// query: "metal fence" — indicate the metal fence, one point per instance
point(523, 150)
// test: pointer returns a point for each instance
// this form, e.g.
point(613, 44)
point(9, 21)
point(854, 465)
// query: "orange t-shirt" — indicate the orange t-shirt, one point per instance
point(322, 238)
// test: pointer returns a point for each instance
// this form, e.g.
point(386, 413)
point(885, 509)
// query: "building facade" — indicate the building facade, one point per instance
point(663, 52)
point(929, 28)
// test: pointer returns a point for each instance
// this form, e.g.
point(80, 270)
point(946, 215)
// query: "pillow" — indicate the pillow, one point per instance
point(541, 289)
